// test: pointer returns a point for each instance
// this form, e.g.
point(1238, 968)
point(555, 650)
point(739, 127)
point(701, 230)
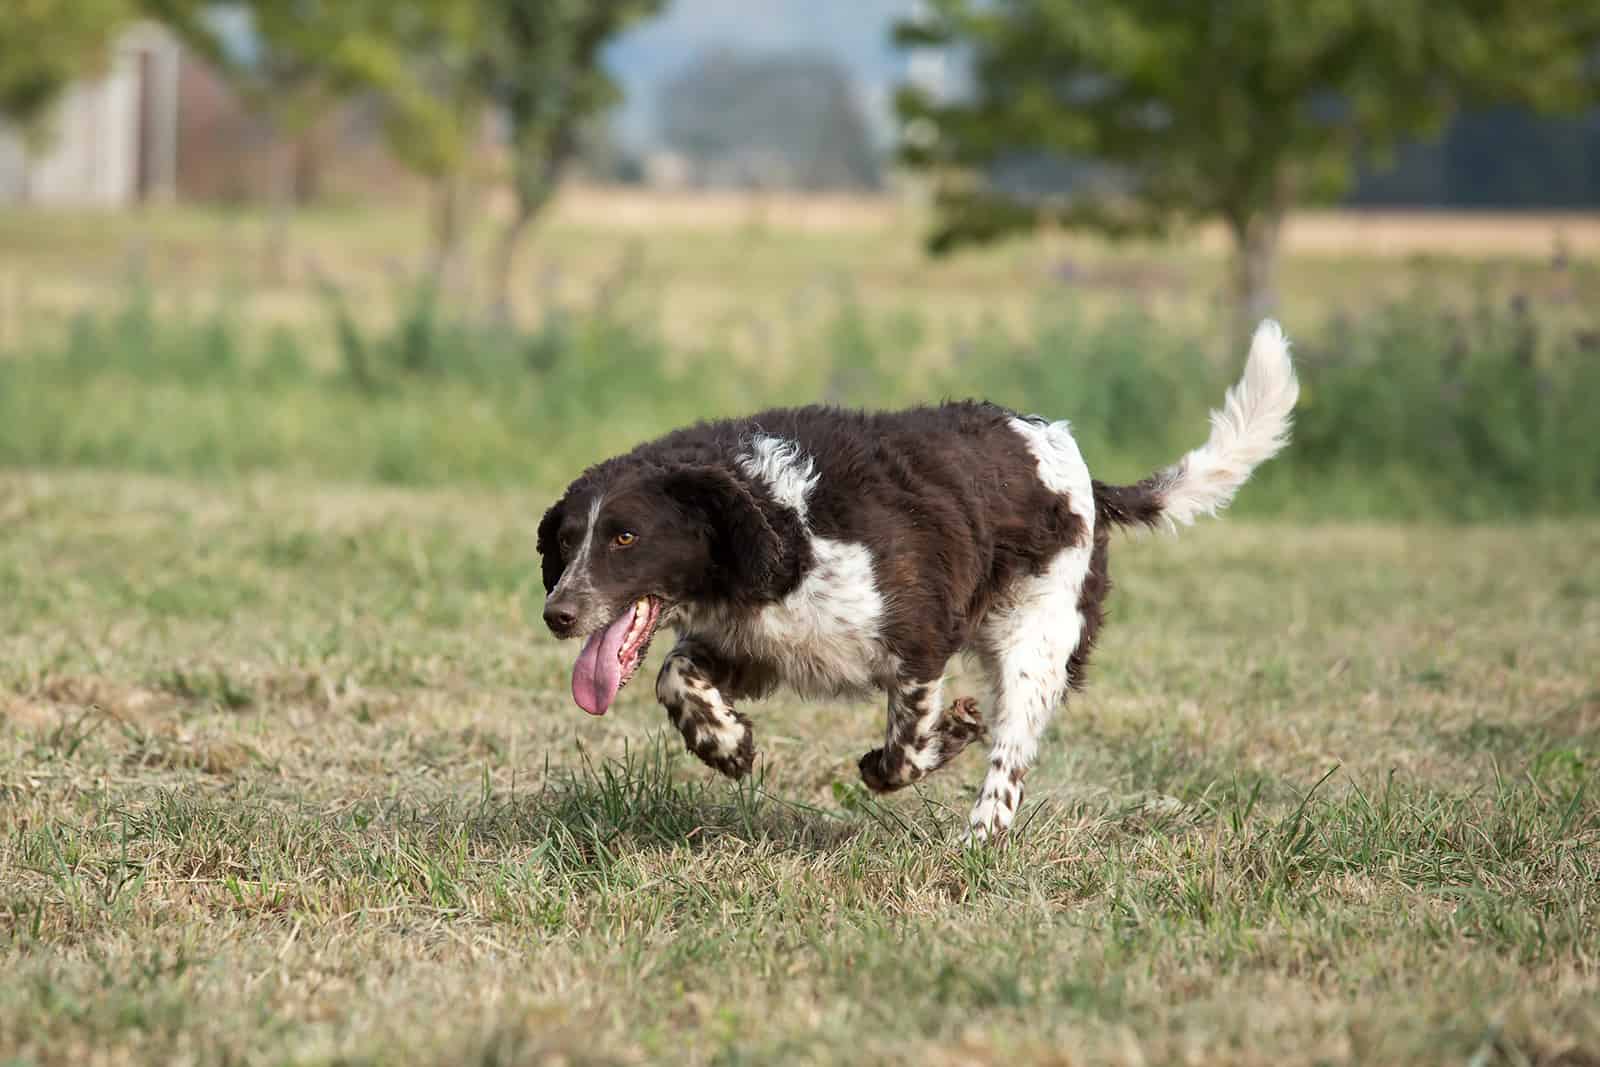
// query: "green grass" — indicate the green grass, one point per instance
point(288, 775)
point(1421, 408)
point(1435, 386)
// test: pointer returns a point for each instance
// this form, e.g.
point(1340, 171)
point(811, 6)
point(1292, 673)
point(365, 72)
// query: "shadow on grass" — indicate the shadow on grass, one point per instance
point(1573, 726)
point(599, 811)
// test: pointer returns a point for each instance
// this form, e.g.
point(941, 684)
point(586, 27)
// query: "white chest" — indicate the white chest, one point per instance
point(824, 639)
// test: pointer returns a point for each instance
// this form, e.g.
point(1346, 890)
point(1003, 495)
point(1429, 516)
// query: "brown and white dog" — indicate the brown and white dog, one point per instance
point(838, 553)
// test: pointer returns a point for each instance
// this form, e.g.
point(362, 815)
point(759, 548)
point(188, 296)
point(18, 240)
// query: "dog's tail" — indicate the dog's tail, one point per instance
point(1250, 428)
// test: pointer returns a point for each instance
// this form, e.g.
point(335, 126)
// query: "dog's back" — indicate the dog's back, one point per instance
point(947, 502)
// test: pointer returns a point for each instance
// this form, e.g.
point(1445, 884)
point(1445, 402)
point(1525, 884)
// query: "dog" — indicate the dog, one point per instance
point(842, 553)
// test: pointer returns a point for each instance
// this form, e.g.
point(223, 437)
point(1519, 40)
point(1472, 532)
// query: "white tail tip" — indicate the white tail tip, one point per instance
point(1250, 428)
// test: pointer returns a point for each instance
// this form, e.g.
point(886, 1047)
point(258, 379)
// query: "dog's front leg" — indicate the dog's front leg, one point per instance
point(923, 735)
point(691, 687)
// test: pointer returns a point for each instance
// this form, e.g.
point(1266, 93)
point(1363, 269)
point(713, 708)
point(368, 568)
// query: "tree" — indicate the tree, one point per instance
point(539, 67)
point(293, 61)
point(797, 110)
point(422, 62)
point(279, 56)
point(1229, 109)
point(440, 67)
point(44, 46)
point(437, 68)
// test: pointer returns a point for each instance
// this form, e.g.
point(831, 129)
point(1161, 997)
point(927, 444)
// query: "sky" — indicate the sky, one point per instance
point(855, 31)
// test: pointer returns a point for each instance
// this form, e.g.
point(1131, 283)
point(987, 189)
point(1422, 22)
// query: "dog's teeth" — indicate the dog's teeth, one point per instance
point(641, 619)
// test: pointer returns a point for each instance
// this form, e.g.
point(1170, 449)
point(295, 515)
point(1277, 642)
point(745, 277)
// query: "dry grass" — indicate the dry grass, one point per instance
point(1425, 233)
point(1379, 233)
point(745, 271)
point(288, 776)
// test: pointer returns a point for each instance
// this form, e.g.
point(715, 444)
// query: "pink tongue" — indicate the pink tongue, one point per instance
point(597, 675)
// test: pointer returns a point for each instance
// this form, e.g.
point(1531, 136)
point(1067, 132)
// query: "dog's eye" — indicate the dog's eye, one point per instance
point(625, 538)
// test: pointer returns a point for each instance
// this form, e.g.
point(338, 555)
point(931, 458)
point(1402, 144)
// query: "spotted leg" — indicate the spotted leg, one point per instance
point(1034, 650)
point(1023, 706)
point(691, 687)
point(923, 735)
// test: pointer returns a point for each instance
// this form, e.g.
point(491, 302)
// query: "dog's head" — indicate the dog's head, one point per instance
point(627, 544)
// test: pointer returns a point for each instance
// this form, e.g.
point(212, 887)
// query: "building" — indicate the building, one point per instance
point(115, 137)
point(159, 123)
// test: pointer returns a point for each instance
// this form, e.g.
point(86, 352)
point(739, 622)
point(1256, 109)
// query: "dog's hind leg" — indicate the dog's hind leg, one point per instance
point(1035, 649)
point(923, 735)
point(694, 691)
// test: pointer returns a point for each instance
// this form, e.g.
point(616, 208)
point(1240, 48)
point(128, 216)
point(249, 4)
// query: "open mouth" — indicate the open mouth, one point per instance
point(612, 655)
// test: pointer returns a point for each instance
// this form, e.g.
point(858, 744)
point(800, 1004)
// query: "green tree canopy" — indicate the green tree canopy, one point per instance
point(423, 62)
point(294, 61)
point(1228, 109)
point(44, 46)
point(438, 68)
point(540, 68)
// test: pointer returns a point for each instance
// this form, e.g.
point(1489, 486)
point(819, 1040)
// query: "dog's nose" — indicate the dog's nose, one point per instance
point(559, 618)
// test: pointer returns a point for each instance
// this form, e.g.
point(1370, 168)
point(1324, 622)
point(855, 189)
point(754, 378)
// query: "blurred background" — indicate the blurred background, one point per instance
point(489, 241)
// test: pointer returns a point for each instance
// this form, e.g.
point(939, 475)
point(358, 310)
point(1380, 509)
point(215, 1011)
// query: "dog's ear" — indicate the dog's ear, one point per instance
point(549, 544)
point(756, 552)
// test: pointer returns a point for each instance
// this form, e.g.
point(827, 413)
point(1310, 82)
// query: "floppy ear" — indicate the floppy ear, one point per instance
point(549, 544)
point(756, 552)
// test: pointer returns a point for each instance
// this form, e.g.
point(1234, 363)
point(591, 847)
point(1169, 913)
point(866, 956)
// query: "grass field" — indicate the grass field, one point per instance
point(288, 775)
point(1466, 405)
point(747, 273)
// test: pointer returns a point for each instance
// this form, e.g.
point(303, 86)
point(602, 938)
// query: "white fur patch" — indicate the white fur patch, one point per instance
point(576, 574)
point(1061, 466)
point(1030, 641)
point(784, 468)
point(824, 637)
point(927, 757)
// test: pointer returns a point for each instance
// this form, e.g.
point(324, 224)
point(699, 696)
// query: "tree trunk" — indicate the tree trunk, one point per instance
point(308, 167)
point(444, 256)
point(505, 253)
point(535, 182)
point(1255, 268)
point(280, 211)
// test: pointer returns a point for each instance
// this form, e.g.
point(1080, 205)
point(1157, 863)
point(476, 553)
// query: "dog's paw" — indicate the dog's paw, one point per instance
point(883, 773)
point(961, 724)
point(983, 837)
point(735, 766)
point(998, 803)
point(727, 747)
point(987, 825)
